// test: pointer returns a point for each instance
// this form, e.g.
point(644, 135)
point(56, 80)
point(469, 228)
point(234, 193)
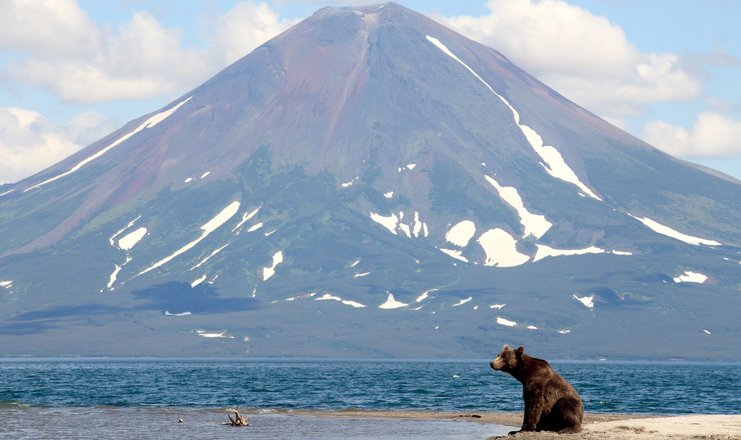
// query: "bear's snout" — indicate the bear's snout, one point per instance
point(497, 363)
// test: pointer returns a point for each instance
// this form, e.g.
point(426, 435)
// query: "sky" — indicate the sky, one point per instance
point(72, 71)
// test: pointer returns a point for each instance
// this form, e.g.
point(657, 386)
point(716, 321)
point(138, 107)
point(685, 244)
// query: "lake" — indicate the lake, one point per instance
point(148, 395)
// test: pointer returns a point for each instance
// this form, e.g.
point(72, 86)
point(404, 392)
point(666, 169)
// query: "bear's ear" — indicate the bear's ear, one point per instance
point(505, 348)
point(520, 350)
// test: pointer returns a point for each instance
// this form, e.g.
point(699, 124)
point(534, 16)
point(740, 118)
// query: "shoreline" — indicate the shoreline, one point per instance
point(594, 426)
point(170, 423)
point(499, 417)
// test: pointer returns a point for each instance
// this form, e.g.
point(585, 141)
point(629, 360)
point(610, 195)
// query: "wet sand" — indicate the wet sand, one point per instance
point(170, 423)
point(23, 422)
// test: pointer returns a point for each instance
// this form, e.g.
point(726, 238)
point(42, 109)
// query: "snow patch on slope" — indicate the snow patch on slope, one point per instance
point(622, 253)
point(304, 296)
point(211, 335)
point(533, 224)
point(131, 239)
point(669, 232)
point(151, 122)
point(202, 262)
point(7, 192)
point(198, 281)
point(222, 217)
point(463, 301)
point(425, 295)
point(113, 276)
point(392, 303)
point(268, 272)
point(126, 243)
point(458, 255)
point(505, 322)
point(328, 297)
point(388, 222)
point(547, 251)
point(501, 249)
point(255, 227)
point(7, 284)
point(461, 233)
point(121, 231)
point(245, 218)
point(587, 301)
point(394, 224)
point(350, 182)
point(418, 225)
point(555, 165)
point(691, 277)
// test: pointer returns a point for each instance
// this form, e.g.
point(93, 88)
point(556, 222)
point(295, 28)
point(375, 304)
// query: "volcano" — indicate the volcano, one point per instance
point(371, 184)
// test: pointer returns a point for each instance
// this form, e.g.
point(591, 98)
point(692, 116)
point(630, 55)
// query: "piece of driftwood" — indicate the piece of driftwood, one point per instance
point(238, 420)
point(473, 416)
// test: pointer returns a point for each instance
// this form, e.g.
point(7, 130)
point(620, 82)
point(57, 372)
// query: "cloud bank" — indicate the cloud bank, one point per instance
point(582, 55)
point(713, 135)
point(56, 46)
point(30, 142)
point(138, 60)
point(591, 61)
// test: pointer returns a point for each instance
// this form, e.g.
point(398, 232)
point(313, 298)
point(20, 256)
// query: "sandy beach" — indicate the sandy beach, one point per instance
point(596, 426)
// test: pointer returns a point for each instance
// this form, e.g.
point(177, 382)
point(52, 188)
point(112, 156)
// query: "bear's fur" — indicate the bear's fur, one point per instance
point(551, 403)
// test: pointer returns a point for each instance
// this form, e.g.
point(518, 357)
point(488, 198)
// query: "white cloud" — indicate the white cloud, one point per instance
point(583, 56)
point(244, 27)
point(138, 60)
point(48, 27)
point(54, 44)
point(712, 135)
point(30, 142)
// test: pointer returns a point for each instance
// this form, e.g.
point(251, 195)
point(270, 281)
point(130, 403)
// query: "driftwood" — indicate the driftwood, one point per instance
point(473, 416)
point(238, 420)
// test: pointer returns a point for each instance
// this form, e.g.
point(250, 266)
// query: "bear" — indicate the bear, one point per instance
point(551, 403)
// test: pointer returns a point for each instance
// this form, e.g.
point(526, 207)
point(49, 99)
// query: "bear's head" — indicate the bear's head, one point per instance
point(508, 360)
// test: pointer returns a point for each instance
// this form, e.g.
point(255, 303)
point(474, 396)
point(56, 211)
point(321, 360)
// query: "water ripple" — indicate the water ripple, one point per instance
point(373, 385)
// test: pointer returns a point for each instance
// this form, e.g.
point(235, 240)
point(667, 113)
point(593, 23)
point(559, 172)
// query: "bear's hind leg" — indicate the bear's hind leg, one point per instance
point(565, 417)
point(569, 412)
point(571, 430)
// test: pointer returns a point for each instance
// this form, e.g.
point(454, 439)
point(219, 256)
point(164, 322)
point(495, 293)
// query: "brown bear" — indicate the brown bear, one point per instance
point(551, 403)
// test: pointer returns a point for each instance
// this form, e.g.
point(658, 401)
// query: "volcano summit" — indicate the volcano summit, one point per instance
point(371, 184)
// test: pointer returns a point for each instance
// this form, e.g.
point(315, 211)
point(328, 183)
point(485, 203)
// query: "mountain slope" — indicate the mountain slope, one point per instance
point(370, 183)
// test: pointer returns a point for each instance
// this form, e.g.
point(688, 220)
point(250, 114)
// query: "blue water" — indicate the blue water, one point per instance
point(655, 388)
